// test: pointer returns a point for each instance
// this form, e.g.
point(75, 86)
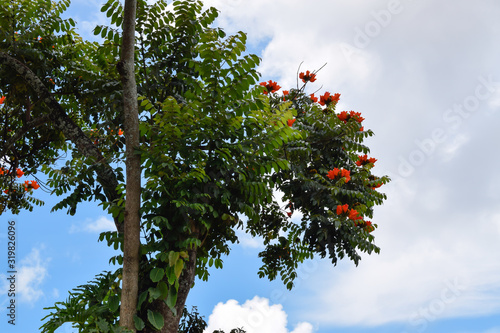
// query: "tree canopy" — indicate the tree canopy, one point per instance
point(218, 150)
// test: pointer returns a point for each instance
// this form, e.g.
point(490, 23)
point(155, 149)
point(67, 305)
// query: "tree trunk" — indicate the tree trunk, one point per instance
point(186, 282)
point(133, 171)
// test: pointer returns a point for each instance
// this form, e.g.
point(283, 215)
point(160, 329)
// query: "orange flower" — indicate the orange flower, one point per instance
point(2, 171)
point(343, 173)
point(2, 99)
point(28, 184)
point(361, 129)
point(345, 116)
point(346, 174)
point(327, 99)
point(313, 99)
point(19, 173)
point(369, 227)
point(333, 173)
point(290, 122)
point(364, 160)
point(354, 215)
point(308, 76)
point(285, 92)
point(270, 86)
point(120, 132)
point(342, 209)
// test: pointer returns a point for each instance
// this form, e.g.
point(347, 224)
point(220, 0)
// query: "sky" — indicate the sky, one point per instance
point(426, 76)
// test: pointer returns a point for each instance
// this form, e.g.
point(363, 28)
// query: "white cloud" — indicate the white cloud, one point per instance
point(31, 274)
point(247, 241)
point(96, 226)
point(254, 316)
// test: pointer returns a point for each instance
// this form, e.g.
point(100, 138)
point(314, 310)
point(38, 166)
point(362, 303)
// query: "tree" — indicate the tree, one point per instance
point(132, 219)
point(214, 146)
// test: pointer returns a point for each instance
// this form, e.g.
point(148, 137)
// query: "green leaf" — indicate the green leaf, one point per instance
point(142, 298)
point(173, 257)
point(156, 319)
point(114, 302)
point(154, 293)
point(179, 265)
point(156, 274)
point(163, 288)
point(139, 323)
point(172, 298)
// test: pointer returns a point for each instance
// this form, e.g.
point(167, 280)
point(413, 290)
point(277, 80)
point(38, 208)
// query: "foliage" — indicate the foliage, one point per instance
point(216, 148)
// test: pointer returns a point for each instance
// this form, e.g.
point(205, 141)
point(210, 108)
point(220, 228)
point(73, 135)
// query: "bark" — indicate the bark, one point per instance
point(130, 277)
point(186, 281)
point(60, 120)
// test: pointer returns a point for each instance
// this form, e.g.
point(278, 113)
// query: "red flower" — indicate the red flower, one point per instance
point(346, 174)
point(313, 99)
point(327, 99)
point(2, 171)
point(2, 99)
point(290, 122)
point(120, 132)
point(342, 209)
point(285, 93)
point(270, 86)
point(364, 160)
point(308, 76)
point(6, 191)
point(357, 116)
point(369, 227)
point(289, 214)
point(361, 129)
point(19, 173)
point(354, 215)
point(31, 184)
point(345, 116)
point(332, 174)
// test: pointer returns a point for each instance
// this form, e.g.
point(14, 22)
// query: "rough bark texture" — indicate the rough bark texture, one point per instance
point(133, 171)
point(61, 121)
point(186, 282)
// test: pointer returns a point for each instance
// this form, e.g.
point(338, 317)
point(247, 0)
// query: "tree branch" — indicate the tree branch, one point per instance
point(60, 119)
point(26, 127)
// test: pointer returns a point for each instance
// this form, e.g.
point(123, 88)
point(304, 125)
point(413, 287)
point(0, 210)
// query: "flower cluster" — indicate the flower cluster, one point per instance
point(271, 87)
point(339, 173)
point(307, 77)
point(19, 172)
point(354, 215)
point(31, 184)
point(327, 99)
point(28, 184)
point(345, 116)
point(364, 160)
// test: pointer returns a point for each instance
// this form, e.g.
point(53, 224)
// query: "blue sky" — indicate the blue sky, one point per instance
point(426, 77)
